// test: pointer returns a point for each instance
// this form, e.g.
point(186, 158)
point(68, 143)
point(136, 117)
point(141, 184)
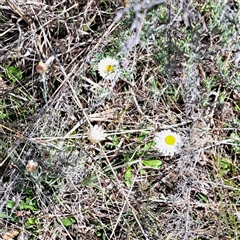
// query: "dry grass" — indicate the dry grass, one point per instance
point(180, 71)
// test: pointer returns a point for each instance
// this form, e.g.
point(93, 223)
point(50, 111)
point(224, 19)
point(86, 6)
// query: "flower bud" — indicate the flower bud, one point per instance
point(96, 134)
point(41, 68)
point(31, 166)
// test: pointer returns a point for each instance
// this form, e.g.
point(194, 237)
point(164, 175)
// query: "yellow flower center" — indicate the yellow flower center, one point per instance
point(170, 140)
point(109, 68)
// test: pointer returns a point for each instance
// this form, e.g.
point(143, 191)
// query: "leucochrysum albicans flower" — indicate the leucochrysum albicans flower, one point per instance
point(96, 134)
point(108, 68)
point(168, 142)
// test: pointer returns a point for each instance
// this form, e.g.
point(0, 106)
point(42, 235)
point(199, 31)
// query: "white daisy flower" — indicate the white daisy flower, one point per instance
point(96, 134)
point(168, 142)
point(31, 166)
point(108, 68)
